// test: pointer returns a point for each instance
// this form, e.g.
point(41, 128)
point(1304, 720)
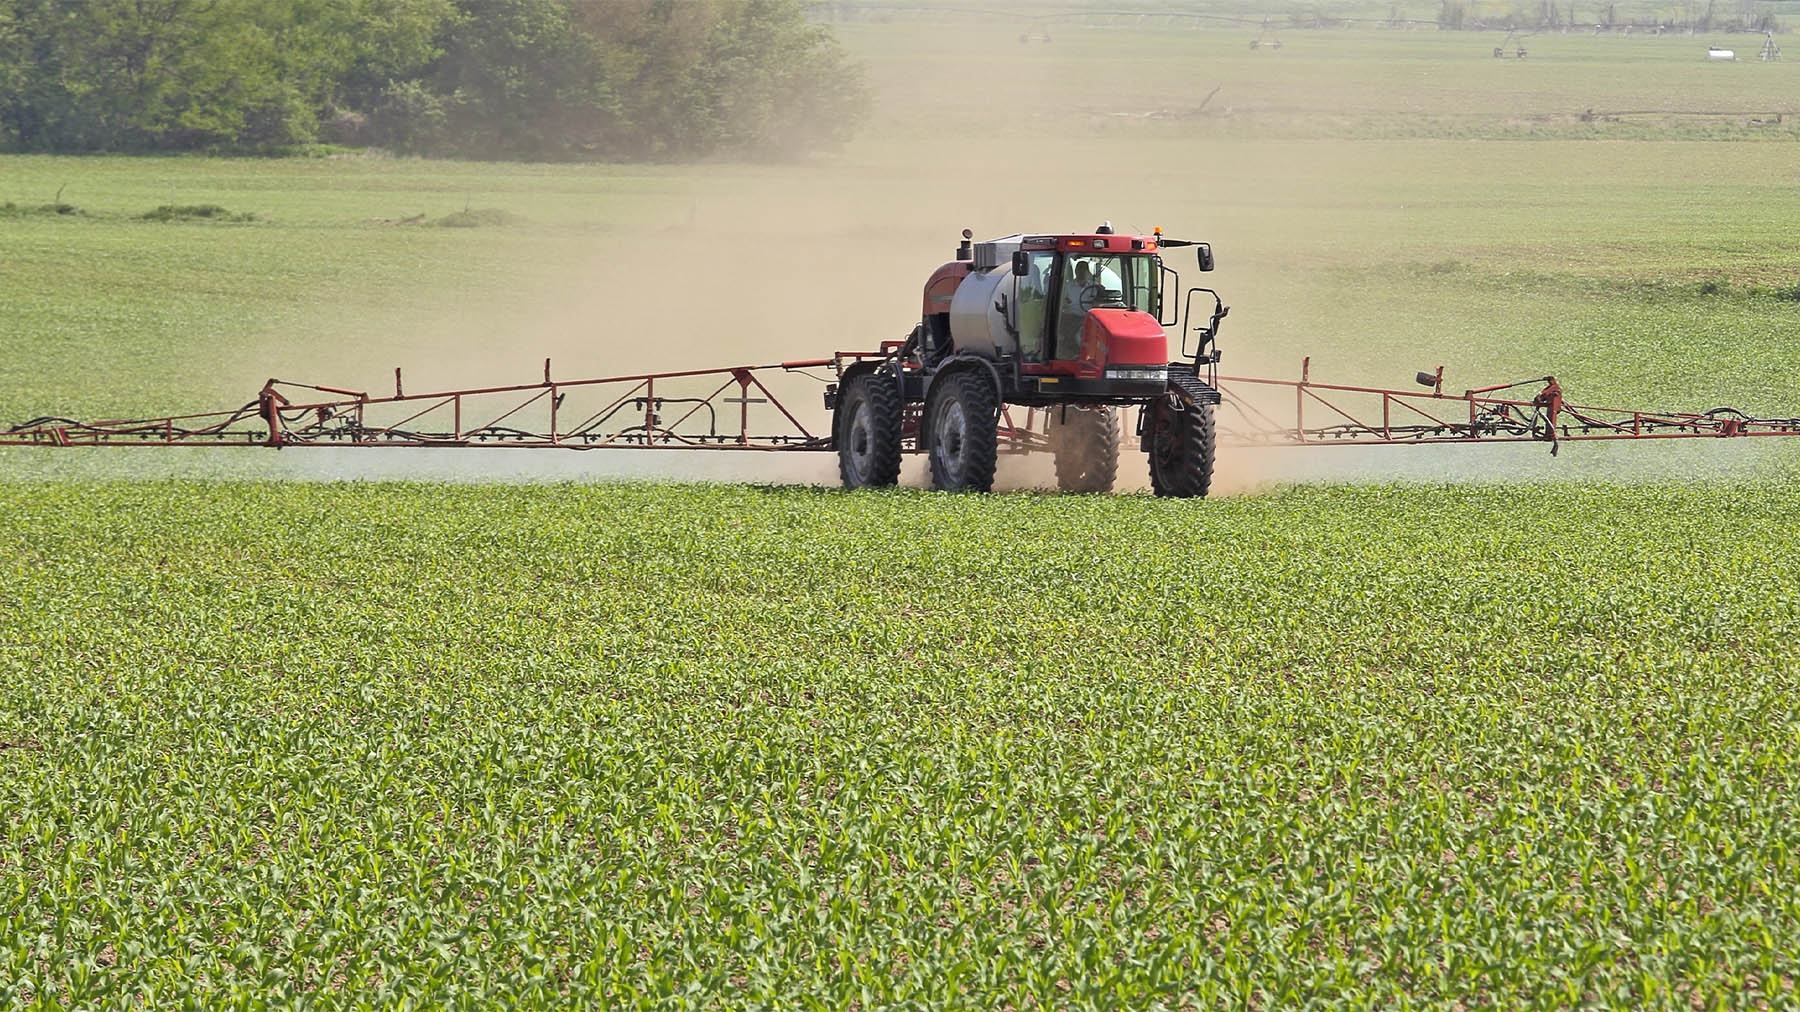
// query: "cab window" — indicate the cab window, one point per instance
point(1100, 281)
point(1034, 300)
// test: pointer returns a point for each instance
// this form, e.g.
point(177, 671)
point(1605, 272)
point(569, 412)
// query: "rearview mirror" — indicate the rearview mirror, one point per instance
point(1021, 265)
point(1206, 257)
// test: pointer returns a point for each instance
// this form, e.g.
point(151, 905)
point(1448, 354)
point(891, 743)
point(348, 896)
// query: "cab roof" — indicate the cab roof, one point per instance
point(1090, 242)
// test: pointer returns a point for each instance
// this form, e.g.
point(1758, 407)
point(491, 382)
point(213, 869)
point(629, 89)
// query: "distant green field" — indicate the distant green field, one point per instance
point(1458, 729)
point(1342, 83)
point(106, 312)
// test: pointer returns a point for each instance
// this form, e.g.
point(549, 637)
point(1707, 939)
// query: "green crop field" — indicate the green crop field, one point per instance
point(1396, 728)
point(504, 747)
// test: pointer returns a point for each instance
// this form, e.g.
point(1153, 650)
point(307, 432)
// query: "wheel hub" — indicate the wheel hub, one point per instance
point(952, 432)
point(861, 445)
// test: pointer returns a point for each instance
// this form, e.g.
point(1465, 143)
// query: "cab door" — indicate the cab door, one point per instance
point(1035, 297)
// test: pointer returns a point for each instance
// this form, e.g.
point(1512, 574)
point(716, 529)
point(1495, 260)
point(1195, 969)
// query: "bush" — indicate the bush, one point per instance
point(193, 212)
point(480, 217)
point(53, 209)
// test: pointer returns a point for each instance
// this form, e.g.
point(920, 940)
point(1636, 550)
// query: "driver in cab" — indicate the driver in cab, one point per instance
point(1085, 285)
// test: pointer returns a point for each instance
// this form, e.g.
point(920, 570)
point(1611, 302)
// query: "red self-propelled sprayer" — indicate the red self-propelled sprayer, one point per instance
point(1025, 344)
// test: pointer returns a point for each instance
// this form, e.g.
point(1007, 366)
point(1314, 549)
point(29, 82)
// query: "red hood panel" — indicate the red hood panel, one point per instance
point(1123, 337)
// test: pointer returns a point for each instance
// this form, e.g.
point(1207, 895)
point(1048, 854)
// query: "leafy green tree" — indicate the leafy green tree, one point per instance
point(148, 74)
point(15, 76)
point(734, 77)
point(350, 53)
point(519, 78)
point(158, 73)
point(652, 52)
point(783, 86)
point(621, 79)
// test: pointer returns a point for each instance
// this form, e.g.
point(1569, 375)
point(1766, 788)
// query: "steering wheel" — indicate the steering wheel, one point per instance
point(1089, 297)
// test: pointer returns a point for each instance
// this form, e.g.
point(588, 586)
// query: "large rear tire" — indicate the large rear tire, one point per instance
point(866, 428)
point(1183, 443)
point(964, 413)
point(1085, 441)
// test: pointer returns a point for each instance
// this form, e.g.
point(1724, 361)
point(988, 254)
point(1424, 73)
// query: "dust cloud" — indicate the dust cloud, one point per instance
point(756, 266)
point(763, 264)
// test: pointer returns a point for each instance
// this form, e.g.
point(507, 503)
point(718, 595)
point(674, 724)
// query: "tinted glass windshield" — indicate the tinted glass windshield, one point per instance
point(1110, 280)
point(1101, 281)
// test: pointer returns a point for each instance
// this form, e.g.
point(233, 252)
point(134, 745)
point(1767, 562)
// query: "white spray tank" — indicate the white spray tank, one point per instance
point(978, 324)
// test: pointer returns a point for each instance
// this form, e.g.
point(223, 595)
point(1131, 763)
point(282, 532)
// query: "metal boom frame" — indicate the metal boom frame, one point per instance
point(683, 410)
point(1365, 416)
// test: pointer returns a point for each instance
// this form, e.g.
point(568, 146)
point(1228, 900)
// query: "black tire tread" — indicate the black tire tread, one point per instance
point(1197, 431)
point(1085, 442)
point(883, 397)
point(981, 441)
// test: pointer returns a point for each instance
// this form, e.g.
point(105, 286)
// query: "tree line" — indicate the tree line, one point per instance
point(537, 79)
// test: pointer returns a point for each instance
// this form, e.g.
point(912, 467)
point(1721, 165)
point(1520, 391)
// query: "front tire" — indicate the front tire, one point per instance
point(1183, 444)
point(1085, 441)
point(867, 432)
point(965, 433)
